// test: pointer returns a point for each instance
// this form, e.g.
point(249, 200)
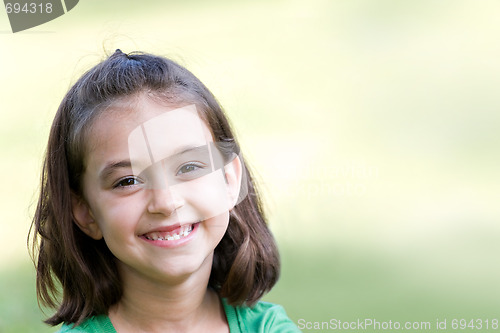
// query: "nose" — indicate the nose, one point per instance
point(163, 201)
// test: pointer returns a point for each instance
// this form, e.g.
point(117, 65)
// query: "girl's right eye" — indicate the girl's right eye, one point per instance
point(126, 182)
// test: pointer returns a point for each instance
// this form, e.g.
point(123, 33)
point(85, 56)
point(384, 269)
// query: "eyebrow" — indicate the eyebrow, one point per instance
point(181, 151)
point(189, 149)
point(111, 167)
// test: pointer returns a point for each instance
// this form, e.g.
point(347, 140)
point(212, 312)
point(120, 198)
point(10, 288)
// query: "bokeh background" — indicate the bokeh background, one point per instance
point(373, 127)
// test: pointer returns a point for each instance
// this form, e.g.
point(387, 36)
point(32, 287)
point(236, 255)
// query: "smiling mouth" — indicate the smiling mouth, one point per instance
point(176, 234)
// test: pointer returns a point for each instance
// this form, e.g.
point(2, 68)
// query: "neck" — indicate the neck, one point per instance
point(175, 305)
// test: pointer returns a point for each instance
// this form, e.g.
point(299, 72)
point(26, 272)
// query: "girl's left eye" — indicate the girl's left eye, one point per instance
point(189, 167)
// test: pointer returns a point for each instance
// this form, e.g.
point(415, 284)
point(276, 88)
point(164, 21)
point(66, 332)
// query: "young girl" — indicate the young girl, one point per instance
point(148, 219)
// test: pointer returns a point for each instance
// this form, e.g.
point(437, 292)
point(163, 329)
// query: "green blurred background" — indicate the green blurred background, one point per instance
point(373, 127)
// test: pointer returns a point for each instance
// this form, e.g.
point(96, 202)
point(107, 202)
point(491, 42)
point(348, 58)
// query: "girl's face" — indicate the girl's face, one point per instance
point(155, 190)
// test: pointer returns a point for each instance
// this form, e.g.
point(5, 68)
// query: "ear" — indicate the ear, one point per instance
point(234, 172)
point(83, 217)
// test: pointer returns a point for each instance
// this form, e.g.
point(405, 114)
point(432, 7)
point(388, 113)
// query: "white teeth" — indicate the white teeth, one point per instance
point(183, 232)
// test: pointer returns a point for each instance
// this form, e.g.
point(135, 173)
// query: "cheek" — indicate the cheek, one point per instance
point(208, 195)
point(118, 224)
point(217, 226)
point(116, 219)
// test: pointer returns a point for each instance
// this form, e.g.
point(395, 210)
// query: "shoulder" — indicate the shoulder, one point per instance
point(262, 317)
point(96, 324)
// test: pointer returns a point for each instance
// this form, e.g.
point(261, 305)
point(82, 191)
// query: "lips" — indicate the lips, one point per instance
point(170, 233)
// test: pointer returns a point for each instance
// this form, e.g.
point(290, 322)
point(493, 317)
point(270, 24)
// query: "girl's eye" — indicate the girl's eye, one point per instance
point(126, 182)
point(189, 167)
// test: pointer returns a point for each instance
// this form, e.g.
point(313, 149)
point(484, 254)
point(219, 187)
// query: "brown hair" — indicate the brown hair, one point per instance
point(246, 261)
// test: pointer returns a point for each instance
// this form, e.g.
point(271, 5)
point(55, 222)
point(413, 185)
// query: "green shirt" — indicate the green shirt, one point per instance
point(262, 318)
